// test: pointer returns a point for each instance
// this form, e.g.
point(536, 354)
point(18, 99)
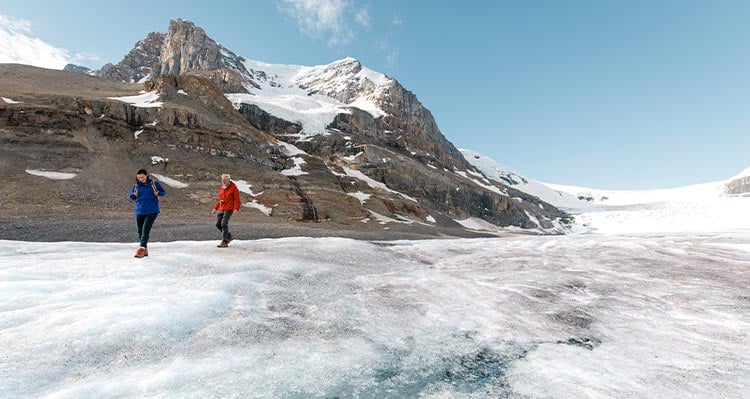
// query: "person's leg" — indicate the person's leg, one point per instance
point(218, 220)
point(225, 225)
point(139, 220)
point(147, 224)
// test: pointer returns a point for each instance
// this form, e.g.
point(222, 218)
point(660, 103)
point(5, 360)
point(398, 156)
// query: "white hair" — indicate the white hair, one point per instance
point(223, 175)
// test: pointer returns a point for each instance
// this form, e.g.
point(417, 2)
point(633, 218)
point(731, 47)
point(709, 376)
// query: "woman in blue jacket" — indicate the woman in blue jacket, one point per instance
point(145, 192)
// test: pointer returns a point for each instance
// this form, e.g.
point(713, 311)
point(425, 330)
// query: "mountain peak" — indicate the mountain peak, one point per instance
point(346, 60)
point(188, 48)
point(179, 22)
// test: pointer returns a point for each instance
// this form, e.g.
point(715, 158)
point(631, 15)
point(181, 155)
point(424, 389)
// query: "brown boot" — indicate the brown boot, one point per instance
point(141, 252)
point(223, 244)
point(145, 251)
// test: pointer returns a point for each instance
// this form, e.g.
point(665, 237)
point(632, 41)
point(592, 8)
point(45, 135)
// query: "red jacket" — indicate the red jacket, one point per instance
point(229, 198)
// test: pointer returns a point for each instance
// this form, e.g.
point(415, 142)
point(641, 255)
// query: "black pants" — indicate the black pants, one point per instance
point(222, 223)
point(144, 224)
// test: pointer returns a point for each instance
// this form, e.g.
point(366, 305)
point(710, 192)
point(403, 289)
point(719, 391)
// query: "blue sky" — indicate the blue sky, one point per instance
point(598, 93)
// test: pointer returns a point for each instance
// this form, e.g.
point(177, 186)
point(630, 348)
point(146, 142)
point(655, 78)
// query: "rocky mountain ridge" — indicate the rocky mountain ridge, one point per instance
point(380, 159)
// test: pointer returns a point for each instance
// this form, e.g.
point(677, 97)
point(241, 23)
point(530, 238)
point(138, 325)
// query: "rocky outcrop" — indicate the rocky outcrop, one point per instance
point(227, 80)
point(79, 69)
point(266, 122)
point(738, 187)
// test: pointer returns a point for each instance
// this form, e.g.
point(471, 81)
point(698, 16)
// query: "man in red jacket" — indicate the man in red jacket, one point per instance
point(228, 204)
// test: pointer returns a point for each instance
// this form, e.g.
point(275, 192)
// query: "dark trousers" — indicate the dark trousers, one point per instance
point(222, 223)
point(144, 224)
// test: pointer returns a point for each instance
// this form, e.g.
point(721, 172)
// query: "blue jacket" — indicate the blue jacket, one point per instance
point(146, 203)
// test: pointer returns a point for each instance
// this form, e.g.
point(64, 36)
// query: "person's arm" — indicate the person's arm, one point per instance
point(237, 201)
point(217, 204)
point(160, 189)
point(133, 192)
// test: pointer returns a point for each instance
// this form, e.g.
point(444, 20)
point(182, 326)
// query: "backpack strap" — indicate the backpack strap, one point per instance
point(156, 192)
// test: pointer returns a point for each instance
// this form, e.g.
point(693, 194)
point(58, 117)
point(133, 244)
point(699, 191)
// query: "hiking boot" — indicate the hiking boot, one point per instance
point(231, 238)
point(223, 244)
point(141, 252)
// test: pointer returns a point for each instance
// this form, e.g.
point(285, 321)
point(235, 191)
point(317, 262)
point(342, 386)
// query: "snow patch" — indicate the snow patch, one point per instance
point(382, 219)
point(169, 181)
point(155, 160)
point(486, 186)
point(295, 170)
point(351, 158)
point(51, 175)
point(145, 100)
point(290, 149)
point(362, 197)
point(256, 205)
point(245, 187)
point(374, 184)
point(473, 223)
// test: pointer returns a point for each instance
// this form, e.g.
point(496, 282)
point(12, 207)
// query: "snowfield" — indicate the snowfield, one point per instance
point(578, 316)
point(696, 208)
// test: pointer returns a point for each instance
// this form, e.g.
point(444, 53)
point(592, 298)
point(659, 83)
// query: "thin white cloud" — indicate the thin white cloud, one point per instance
point(363, 18)
point(17, 47)
point(332, 18)
point(392, 58)
point(391, 53)
point(397, 21)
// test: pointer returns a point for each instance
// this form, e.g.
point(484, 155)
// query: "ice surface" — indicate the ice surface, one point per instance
point(579, 316)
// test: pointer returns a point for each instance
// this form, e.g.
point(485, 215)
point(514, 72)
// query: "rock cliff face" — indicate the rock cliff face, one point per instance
point(187, 49)
point(406, 114)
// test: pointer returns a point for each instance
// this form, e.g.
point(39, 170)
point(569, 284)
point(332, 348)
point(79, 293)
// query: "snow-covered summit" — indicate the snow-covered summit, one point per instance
point(346, 80)
point(313, 95)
